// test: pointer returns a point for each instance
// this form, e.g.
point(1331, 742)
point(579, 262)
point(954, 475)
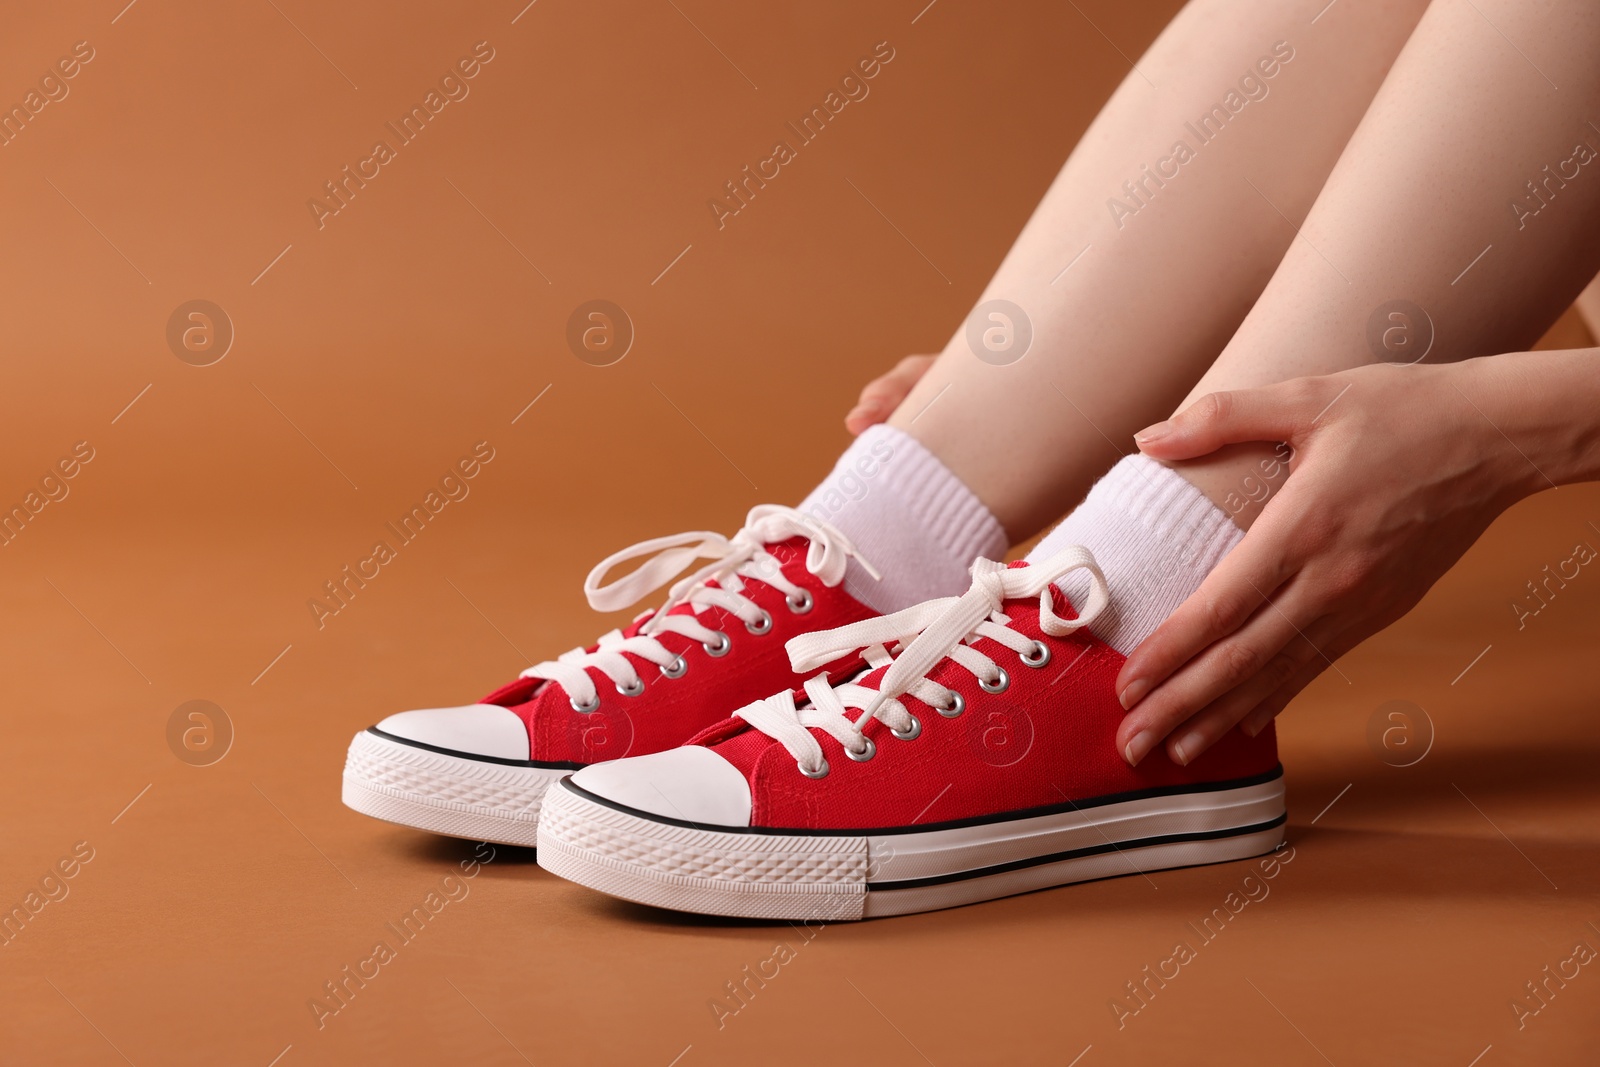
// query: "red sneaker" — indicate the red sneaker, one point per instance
point(480, 771)
point(982, 763)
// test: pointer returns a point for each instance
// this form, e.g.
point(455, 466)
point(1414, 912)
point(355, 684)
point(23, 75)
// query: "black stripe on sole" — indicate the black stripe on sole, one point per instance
point(1078, 853)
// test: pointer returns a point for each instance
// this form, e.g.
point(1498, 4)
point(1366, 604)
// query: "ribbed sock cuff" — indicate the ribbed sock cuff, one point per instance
point(909, 516)
point(1155, 536)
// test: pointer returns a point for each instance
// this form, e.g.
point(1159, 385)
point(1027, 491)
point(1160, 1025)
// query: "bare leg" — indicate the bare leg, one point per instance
point(1130, 304)
point(1471, 188)
point(1461, 156)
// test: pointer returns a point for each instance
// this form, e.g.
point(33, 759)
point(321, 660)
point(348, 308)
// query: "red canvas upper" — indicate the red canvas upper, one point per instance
point(1049, 739)
point(671, 710)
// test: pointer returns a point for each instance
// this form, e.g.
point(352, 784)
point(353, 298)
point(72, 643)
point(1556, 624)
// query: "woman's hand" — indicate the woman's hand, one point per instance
point(1394, 471)
point(882, 395)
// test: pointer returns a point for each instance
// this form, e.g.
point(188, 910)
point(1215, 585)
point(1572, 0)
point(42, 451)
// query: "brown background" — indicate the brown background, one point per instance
point(378, 349)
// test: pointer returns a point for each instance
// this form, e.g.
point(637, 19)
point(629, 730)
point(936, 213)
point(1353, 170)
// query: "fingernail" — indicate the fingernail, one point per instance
point(1187, 747)
point(1139, 747)
point(1151, 434)
point(1133, 692)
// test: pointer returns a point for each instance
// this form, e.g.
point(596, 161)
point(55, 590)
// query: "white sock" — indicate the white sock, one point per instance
point(1155, 536)
point(913, 520)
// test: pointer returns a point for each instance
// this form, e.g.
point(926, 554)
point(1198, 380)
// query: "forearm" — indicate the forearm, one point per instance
point(1545, 406)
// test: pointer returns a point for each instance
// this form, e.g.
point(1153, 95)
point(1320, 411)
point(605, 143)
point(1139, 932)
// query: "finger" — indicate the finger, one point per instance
point(883, 394)
point(913, 367)
point(895, 384)
point(1270, 413)
point(863, 416)
point(1208, 726)
point(1261, 645)
point(1270, 706)
point(1257, 718)
point(1233, 591)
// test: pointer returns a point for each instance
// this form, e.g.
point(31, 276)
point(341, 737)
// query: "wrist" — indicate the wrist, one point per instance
point(1541, 415)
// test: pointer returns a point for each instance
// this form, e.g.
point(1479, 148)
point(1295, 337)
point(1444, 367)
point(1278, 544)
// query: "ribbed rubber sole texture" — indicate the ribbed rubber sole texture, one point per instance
point(445, 794)
point(837, 876)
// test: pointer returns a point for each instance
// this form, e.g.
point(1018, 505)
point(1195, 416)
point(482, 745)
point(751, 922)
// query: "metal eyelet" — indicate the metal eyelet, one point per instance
point(763, 625)
point(720, 647)
point(868, 750)
point(958, 704)
point(632, 690)
point(676, 669)
point(999, 685)
point(588, 708)
point(1038, 657)
point(911, 733)
point(821, 772)
point(800, 602)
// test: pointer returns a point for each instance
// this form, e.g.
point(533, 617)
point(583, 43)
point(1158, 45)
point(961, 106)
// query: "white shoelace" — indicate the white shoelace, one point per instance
point(929, 633)
point(732, 561)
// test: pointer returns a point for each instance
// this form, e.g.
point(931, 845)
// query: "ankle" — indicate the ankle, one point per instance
point(1238, 479)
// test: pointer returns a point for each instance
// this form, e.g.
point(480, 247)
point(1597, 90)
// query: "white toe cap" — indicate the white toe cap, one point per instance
point(475, 729)
point(690, 783)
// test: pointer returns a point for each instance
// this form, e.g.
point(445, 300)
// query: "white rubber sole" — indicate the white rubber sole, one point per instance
point(800, 875)
point(443, 792)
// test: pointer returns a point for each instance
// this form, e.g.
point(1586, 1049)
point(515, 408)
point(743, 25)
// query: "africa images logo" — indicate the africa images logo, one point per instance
point(853, 88)
point(1252, 87)
point(453, 87)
